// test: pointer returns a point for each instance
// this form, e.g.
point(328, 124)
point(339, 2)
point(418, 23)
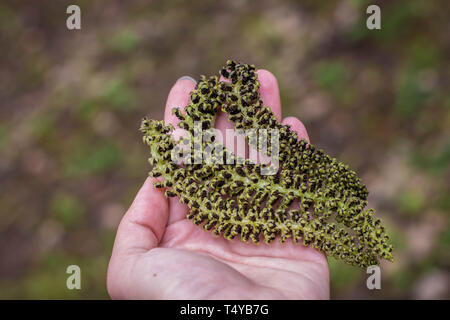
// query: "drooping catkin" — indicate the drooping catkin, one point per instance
point(312, 198)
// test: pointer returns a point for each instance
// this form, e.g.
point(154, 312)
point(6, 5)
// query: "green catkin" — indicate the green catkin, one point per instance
point(313, 199)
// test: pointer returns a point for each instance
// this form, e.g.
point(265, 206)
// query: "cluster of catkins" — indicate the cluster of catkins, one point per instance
point(313, 198)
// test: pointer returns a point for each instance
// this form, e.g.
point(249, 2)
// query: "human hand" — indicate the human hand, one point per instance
point(159, 254)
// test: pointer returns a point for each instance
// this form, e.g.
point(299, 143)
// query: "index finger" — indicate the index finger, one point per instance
point(269, 91)
point(178, 97)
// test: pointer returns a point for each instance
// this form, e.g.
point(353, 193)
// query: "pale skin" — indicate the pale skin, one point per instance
point(159, 254)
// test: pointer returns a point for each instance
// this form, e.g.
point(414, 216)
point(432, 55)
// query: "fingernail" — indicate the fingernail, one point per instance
point(187, 78)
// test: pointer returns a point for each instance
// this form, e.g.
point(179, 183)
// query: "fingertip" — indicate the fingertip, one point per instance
point(297, 126)
point(269, 91)
point(178, 97)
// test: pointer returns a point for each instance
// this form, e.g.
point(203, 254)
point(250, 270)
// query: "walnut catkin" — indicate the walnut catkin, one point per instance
point(313, 199)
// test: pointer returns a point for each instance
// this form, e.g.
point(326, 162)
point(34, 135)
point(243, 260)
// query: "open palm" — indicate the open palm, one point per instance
point(159, 254)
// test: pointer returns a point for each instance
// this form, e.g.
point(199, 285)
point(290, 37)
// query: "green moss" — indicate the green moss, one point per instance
point(443, 201)
point(43, 125)
point(48, 279)
point(398, 239)
point(124, 41)
point(403, 279)
point(3, 136)
point(411, 201)
point(88, 108)
point(118, 95)
point(87, 159)
point(423, 54)
point(115, 95)
point(332, 76)
point(434, 160)
point(342, 275)
point(329, 74)
point(67, 209)
point(410, 97)
point(444, 239)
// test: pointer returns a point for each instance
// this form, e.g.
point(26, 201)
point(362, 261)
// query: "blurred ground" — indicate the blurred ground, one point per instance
point(71, 102)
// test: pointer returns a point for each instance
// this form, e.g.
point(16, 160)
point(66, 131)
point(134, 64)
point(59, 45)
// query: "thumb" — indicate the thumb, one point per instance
point(143, 226)
point(140, 230)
